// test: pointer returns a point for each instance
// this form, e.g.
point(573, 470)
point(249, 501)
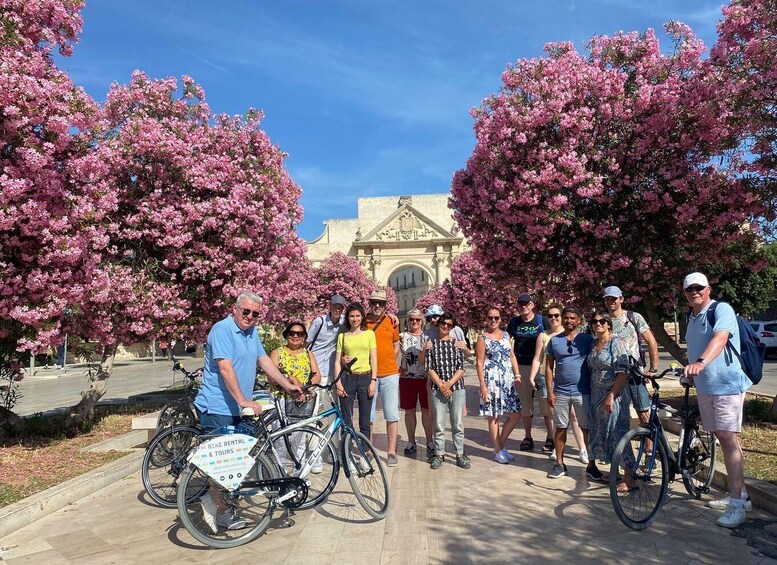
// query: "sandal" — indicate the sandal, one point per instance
point(624, 488)
point(527, 444)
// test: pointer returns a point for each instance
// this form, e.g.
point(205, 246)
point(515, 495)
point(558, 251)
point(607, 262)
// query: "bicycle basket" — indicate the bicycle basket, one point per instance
point(300, 410)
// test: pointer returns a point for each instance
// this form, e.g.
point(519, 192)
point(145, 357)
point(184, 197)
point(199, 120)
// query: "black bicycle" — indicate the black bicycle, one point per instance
point(181, 412)
point(645, 462)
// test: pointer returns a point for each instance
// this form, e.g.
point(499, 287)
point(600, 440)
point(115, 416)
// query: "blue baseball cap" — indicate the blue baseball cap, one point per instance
point(613, 291)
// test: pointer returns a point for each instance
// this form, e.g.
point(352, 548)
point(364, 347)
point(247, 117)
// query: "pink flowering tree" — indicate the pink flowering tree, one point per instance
point(610, 167)
point(341, 274)
point(440, 294)
point(199, 207)
point(44, 256)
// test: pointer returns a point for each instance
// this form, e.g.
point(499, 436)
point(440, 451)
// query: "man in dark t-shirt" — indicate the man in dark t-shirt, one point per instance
point(524, 330)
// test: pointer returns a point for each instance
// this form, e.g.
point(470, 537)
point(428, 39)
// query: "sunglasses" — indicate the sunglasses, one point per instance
point(695, 288)
point(247, 311)
point(494, 318)
point(552, 315)
point(293, 333)
point(445, 325)
point(598, 322)
point(524, 303)
point(435, 317)
point(569, 346)
point(377, 303)
point(415, 319)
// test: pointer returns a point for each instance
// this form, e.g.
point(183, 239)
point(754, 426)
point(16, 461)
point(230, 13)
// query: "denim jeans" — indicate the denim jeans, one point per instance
point(357, 387)
point(441, 407)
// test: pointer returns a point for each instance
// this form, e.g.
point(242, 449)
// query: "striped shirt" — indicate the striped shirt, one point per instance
point(444, 358)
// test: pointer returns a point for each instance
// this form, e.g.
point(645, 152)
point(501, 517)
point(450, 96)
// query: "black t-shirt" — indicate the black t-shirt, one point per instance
point(524, 336)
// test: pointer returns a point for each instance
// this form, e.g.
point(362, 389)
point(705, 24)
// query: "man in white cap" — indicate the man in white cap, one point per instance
point(720, 387)
point(632, 328)
point(322, 337)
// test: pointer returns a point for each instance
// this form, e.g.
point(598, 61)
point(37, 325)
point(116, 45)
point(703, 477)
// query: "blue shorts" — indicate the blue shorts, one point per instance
point(388, 390)
point(640, 397)
point(210, 422)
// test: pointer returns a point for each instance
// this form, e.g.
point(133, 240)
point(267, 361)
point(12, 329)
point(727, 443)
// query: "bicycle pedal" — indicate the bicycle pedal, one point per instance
point(291, 494)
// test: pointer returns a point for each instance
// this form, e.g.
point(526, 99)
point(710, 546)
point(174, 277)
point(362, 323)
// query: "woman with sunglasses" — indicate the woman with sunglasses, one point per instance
point(608, 364)
point(357, 342)
point(499, 376)
point(537, 380)
point(413, 388)
point(299, 366)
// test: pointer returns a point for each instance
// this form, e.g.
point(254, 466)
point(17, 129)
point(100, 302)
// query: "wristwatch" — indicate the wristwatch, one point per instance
point(702, 361)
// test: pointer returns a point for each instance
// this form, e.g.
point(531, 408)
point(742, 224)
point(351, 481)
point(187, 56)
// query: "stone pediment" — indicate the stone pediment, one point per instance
point(407, 224)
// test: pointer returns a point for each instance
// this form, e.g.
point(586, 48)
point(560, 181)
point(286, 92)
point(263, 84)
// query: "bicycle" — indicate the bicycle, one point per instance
point(652, 469)
point(180, 412)
point(291, 456)
point(165, 456)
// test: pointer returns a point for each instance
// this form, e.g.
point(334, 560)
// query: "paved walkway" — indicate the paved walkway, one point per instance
point(489, 514)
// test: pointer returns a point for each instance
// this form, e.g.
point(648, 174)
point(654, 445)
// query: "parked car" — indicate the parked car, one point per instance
point(767, 333)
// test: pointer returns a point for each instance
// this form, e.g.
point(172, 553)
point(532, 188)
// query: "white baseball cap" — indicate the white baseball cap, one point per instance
point(695, 278)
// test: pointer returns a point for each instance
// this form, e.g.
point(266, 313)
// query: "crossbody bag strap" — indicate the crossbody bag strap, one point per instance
point(318, 331)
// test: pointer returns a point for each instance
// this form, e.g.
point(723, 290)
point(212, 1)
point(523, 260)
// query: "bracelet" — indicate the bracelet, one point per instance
point(373, 380)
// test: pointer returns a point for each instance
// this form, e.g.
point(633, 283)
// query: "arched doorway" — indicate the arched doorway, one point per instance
point(410, 282)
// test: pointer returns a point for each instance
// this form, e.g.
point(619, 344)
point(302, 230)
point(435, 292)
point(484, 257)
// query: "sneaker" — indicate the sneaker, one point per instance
point(733, 516)
point(499, 457)
point(436, 462)
point(552, 455)
point(317, 468)
point(584, 457)
point(209, 511)
point(392, 460)
point(463, 461)
point(229, 522)
point(410, 448)
point(507, 454)
point(724, 502)
point(594, 474)
point(558, 471)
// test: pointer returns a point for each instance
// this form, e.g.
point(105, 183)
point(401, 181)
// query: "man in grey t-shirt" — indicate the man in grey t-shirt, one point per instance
point(322, 337)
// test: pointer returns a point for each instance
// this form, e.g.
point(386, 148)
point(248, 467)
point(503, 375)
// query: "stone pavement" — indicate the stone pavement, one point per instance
point(489, 514)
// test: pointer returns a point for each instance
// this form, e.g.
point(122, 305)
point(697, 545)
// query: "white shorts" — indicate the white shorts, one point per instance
point(721, 413)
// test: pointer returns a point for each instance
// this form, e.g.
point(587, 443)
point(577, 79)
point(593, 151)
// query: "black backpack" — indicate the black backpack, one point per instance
point(751, 351)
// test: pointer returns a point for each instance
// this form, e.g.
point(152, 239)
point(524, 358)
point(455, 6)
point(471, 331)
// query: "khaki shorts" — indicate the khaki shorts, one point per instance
point(721, 413)
point(526, 394)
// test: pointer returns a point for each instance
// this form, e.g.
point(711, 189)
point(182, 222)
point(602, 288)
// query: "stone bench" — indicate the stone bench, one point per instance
point(147, 422)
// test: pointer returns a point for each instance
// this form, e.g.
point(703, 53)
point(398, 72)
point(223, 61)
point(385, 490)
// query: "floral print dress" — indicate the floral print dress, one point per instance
point(606, 430)
point(498, 374)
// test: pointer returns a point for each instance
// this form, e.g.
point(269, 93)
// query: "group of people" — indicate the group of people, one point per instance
point(577, 379)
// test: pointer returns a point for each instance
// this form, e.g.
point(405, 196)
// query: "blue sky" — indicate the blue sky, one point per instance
point(368, 97)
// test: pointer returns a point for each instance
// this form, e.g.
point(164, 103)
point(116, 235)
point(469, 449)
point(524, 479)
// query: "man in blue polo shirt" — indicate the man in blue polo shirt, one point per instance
point(720, 388)
point(231, 356)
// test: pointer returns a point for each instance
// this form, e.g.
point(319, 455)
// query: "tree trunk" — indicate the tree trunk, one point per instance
point(10, 420)
point(663, 338)
point(98, 387)
point(199, 353)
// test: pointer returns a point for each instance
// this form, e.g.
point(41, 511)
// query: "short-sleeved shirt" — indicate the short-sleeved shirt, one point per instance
point(386, 335)
point(570, 373)
point(410, 346)
point(624, 329)
point(358, 346)
point(722, 375)
point(323, 349)
point(227, 341)
point(524, 336)
point(444, 358)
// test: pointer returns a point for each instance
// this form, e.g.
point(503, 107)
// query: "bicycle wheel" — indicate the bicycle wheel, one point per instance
point(163, 462)
point(638, 507)
point(367, 475)
point(292, 450)
point(697, 460)
point(237, 517)
point(176, 413)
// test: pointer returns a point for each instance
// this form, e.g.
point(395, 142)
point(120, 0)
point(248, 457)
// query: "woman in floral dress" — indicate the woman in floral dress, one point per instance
point(499, 378)
point(609, 421)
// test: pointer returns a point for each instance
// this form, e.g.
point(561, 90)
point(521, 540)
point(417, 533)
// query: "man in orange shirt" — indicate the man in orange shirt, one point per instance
point(386, 330)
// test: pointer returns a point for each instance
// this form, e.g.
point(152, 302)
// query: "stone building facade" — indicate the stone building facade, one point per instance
point(406, 242)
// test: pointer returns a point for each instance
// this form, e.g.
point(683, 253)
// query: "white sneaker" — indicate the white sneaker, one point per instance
point(499, 457)
point(552, 455)
point(724, 502)
point(211, 516)
point(733, 516)
point(317, 468)
point(583, 457)
point(507, 454)
point(229, 522)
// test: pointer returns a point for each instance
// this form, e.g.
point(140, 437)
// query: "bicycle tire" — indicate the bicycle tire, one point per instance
point(176, 413)
point(252, 506)
point(163, 462)
point(639, 507)
point(290, 450)
point(368, 478)
point(697, 460)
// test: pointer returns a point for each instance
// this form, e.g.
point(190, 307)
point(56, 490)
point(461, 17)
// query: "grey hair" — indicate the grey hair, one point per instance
point(250, 295)
point(415, 312)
